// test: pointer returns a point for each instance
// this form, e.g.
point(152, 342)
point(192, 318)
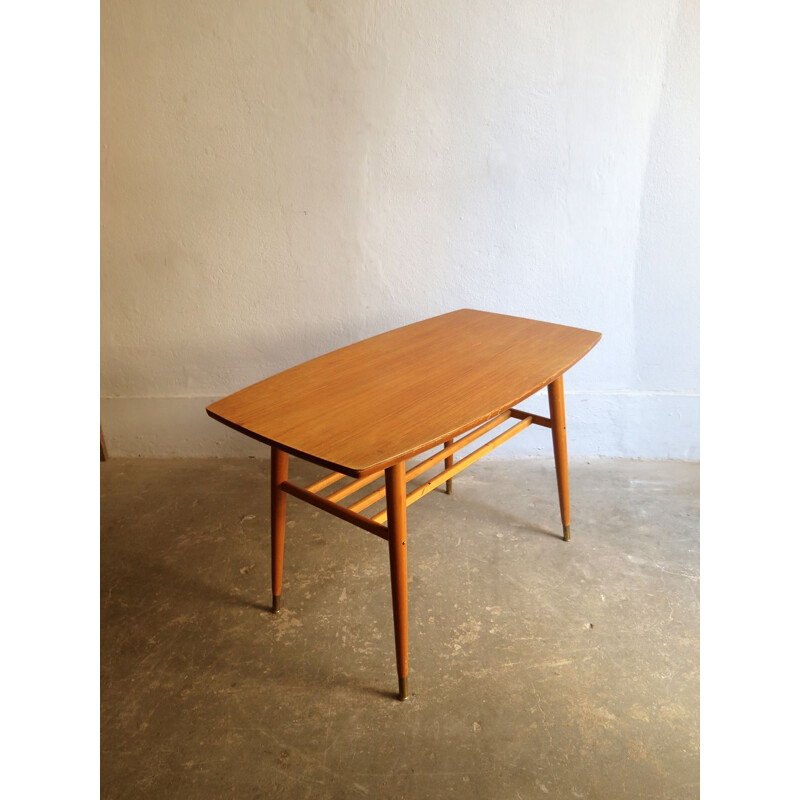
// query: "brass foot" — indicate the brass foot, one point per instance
point(449, 486)
point(276, 603)
point(403, 693)
point(566, 533)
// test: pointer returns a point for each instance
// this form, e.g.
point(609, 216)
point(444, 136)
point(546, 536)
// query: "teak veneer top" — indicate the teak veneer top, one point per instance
point(382, 400)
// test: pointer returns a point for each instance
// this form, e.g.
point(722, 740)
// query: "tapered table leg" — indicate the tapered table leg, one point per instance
point(448, 462)
point(398, 564)
point(279, 473)
point(555, 394)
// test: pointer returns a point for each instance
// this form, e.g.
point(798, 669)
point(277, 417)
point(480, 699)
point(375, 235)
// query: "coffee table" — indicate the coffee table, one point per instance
point(365, 410)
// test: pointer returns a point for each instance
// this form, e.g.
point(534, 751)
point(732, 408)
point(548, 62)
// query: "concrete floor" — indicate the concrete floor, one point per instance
point(539, 668)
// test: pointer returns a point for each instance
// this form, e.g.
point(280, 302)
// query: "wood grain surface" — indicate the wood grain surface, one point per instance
point(382, 400)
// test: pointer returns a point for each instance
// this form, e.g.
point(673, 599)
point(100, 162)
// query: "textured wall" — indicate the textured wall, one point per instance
point(283, 178)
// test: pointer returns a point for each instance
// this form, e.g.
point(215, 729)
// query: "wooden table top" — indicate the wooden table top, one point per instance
point(382, 400)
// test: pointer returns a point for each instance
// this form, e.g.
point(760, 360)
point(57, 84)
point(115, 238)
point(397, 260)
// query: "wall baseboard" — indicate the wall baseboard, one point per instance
point(613, 425)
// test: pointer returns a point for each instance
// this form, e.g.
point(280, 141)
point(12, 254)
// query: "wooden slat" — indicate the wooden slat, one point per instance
point(535, 418)
point(324, 482)
point(345, 491)
point(463, 463)
point(338, 511)
point(425, 465)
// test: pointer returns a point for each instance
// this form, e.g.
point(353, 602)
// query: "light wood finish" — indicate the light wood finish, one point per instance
point(383, 400)
point(555, 394)
point(362, 411)
point(354, 486)
point(398, 567)
point(535, 418)
point(425, 465)
point(460, 465)
point(325, 481)
point(332, 508)
point(279, 472)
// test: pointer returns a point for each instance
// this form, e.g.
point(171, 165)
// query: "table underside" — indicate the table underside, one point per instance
point(375, 523)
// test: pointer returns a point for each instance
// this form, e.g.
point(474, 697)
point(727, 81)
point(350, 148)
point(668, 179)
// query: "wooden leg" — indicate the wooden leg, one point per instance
point(555, 393)
point(279, 473)
point(398, 565)
point(448, 462)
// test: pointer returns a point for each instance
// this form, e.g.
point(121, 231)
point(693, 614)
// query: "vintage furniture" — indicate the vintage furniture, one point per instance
point(363, 411)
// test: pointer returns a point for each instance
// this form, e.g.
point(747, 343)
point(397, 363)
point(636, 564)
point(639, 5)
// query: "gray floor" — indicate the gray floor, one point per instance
point(539, 668)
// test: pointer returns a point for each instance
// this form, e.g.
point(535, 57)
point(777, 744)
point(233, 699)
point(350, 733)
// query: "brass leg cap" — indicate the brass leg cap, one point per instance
point(403, 693)
point(276, 603)
point(566, 533)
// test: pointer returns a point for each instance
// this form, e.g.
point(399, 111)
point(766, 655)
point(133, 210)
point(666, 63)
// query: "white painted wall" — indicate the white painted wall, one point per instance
point(281, 178)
